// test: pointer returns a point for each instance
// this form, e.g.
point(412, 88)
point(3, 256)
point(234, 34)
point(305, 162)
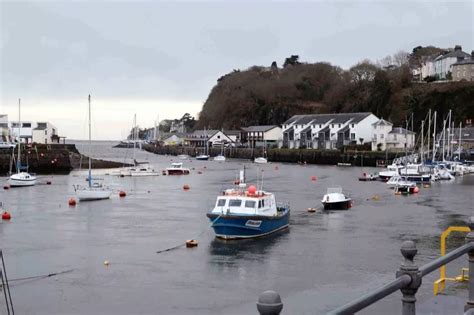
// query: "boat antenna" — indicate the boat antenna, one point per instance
point(90, 145)
point(18, 162)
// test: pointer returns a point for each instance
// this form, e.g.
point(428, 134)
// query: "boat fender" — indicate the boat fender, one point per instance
point(122, 194)
point(6, 215)
point(6, 187)
point(106, 263)
point(416, 190)
point(314, 178)
point(186, 187)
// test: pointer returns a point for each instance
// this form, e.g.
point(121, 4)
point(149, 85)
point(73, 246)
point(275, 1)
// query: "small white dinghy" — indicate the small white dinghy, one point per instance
point(260, 160)
point(219, 158)
point(334, 199)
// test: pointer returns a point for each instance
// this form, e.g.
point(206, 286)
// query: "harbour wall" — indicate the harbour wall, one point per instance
point(310, 156)
point(49, 159)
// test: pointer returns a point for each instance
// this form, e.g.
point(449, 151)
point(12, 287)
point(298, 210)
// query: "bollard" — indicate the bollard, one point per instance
point(408, 267)
point(269, 303)
point(470, 239)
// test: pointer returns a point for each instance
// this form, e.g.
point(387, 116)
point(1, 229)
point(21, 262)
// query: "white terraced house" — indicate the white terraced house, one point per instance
point(386, 137)
point(328, 131)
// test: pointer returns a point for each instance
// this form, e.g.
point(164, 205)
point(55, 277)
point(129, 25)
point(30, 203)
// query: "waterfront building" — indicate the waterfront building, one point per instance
point(443, 63)
point(386, 137)
point(258, 136)
point(174, 139)
point(234, 135)
point(328, 131)
point(464, 69)
point(427, 68)
point(214, 138)
point(4, 130)
point(38, 132)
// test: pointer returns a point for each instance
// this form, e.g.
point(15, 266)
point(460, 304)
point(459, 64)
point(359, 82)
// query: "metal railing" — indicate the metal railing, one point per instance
point(408, 280)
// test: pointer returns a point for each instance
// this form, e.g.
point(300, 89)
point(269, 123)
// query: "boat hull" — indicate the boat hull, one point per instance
point(177, 172)
point(90, 195)
point(202, 158)
point(243, 226)
point(339, 205)
point(21, 182)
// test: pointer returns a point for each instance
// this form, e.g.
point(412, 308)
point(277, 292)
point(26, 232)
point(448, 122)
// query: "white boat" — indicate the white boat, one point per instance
point(183, 157)
point(21, 179)
point(177, 169)
point(7, 145)
point(93, 191)
point(219, 158)
point(202, 157)
point(398, 180)
point(260, 160)
point(391, 170)
point(142, 171)
point(334, 199)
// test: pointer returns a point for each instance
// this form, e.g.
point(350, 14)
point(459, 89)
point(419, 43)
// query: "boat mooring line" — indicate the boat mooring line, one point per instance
point(49, 275)
point(184, 244)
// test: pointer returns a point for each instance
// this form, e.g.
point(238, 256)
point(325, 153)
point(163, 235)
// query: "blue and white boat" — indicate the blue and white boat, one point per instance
point(247, 213)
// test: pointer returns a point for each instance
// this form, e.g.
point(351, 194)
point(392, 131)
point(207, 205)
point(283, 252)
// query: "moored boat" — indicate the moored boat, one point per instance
point(202, 157)
point(392, 170)
point(406, 187)
point(177, 169)
point(219, 158)
point(260, 160)
point(183, 157)
point(334, 199)
point(368, 177)
point(247, 213)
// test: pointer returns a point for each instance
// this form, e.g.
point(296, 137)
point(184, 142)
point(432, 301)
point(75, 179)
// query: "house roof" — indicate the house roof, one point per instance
point(382, 122)
point(232, 132)
point(401, 131)
point(344, 129)
point(306, 129)
point(464, 62)
point(325, 118)
point(324, 130)
point(203, 133)
point(263, 128)
point(457, 53)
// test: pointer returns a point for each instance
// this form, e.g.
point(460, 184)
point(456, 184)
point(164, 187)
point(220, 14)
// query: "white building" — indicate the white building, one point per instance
point(385, 137)
point(258, 136)
point(443, 64)
point(45, 133)
point(328, 131)
point(4, 130)
point(427, 68)
point(214, 138)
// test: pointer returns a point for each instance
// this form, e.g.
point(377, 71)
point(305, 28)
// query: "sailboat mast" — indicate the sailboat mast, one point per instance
point(18, 162)
point(90, 145)
point(134, 137)
point(449, 136)
point(434, 137)
point(459, 144)
point(429, 130)
point(422, 140)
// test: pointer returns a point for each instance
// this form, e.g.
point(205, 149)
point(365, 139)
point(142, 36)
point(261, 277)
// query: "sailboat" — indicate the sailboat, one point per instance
point(205, 155)
point(137, 169)
point(262, 159)
point(21, 179)
point(93, 190)
point(221, 156)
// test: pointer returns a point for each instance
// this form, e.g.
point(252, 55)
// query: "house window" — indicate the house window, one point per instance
point(26, 125)
point(332, 126)
point(353, 125)
point(353, 136)
point(218, 137)
point(395, 137)
point(381, 136)
point(320, 126)
point(339, 125)
point(46, 132)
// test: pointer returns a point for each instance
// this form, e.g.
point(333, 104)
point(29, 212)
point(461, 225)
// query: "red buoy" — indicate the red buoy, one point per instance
point(6, 215)
point(186, 187)
point(416, 190)
point(48, 183)
point(122, 194)
point(6, 187)
point(72, 202)
point(252, 190)
point(314, 178)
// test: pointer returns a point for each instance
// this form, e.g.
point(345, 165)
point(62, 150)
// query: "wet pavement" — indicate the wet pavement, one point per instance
point(324, 260)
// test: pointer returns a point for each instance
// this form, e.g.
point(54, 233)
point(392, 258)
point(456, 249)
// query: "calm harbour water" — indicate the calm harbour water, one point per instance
point(324, 260)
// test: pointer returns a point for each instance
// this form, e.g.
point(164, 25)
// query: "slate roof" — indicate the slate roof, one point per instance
point(454, 54)
point(382, 121)
point(325, 118)
point(203, 133)
point(232, 132)
point(263, 128)
point(401, 131)
point(41, 126)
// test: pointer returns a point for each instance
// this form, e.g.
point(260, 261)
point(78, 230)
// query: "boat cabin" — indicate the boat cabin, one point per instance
point(243, 203)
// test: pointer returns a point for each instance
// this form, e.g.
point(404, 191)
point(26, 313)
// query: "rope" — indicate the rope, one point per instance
point(42, 276)
point(181, 245)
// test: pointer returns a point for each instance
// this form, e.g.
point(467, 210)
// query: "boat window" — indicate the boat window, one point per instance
point(250, 204)
point(221, 202)
point(261, 203)
point(235, 203)
point(143, 169)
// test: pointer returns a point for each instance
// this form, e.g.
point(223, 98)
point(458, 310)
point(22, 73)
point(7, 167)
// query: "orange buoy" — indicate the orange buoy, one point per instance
point(6, 215)
point(252, 190)
point(6, 187)
point(186, 187)
point(122, 194)
point(314, 178)
point(72, 202)
point(416, 190)
point(191, 243)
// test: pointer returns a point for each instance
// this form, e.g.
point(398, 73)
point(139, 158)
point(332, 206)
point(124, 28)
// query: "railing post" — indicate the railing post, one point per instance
point(269, 303)
point(470, 239)
point(408, 267)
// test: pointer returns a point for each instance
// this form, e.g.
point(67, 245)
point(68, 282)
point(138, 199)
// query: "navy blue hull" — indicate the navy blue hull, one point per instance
point(417, 178)
point(244, 226)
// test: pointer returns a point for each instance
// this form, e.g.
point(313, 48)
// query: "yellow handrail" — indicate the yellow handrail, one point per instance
point(440, 284)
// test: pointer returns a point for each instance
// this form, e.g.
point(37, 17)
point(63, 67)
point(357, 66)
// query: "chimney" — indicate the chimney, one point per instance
point(457, 47)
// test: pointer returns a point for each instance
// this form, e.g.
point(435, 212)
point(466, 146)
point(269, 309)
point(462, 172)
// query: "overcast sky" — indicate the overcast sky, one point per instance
point(162, 58)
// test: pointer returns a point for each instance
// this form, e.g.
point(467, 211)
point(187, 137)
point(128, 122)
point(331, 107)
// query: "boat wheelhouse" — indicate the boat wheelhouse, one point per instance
point(392, 170)
point(240, 213)
point(177, 169)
